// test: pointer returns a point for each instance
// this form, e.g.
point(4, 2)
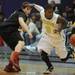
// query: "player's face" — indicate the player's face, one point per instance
point(49, 13)
point(27, 10)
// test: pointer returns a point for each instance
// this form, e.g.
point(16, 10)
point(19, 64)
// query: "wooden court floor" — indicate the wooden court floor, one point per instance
point(38, 67)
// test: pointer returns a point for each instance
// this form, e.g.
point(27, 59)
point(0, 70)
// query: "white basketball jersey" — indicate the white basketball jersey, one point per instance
point(49, 26)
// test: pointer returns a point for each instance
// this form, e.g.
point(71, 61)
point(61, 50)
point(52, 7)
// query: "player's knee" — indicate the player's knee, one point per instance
point(44, 55)
point(22, 43)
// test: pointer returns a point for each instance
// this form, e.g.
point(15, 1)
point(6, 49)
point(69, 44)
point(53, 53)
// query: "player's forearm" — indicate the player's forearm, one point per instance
point(38, 7)
point(62, 23)
point(65, 24)
point(24, 26)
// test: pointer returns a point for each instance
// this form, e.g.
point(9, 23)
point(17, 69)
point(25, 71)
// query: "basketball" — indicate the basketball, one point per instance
point(72, 39)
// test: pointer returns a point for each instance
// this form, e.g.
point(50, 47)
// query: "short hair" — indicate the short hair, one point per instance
point(48, 6)
point(25, 4)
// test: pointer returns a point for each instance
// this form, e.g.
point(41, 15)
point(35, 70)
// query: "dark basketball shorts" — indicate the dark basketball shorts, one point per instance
point(10, 36)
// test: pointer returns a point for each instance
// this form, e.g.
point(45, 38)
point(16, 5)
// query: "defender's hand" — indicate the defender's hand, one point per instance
point(30, 35)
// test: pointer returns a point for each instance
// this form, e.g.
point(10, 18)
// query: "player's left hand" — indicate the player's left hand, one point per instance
point(30, 35)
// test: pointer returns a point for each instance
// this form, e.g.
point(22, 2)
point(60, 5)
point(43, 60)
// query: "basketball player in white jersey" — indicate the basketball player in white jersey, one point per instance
point(52, 27)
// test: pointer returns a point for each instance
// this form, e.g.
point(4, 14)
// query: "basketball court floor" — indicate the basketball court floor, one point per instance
point(29, 67)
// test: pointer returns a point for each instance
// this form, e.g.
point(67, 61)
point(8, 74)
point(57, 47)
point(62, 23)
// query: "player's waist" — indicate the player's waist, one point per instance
point(53, 35)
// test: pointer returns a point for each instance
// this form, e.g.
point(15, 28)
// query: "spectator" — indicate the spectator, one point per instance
point(33, 29)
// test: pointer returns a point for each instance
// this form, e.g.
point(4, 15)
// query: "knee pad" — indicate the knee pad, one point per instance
point(19, 46)
point(21, 43)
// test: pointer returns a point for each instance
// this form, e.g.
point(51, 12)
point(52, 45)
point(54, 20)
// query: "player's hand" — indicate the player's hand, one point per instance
point(30, 35)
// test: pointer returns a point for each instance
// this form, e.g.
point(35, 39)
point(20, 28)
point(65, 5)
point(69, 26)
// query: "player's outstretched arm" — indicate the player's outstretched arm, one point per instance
point(24, 26)
point(37, 7)
point(62, 23)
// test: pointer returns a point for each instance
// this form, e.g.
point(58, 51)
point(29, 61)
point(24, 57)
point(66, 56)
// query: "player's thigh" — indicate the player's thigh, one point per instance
point(61, 50)
point(16, 37)
point(12, 39)
point(44, 44)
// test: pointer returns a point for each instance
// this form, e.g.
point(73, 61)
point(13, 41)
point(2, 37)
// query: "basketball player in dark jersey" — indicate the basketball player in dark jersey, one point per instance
point(10, 34)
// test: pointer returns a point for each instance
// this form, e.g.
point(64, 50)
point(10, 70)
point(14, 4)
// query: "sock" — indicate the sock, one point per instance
point(45, 58)
point(15, 57)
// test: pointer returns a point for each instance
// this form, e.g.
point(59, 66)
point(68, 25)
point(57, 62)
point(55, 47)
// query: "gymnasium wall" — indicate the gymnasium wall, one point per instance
point(8, 6)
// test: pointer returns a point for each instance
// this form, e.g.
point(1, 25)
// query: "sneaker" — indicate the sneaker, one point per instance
point(16, 67)
point(49, 70)
point(31, 48)
point(8, 69)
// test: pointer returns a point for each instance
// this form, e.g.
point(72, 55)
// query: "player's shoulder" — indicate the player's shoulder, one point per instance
point(42, 13)
point(55, 14)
